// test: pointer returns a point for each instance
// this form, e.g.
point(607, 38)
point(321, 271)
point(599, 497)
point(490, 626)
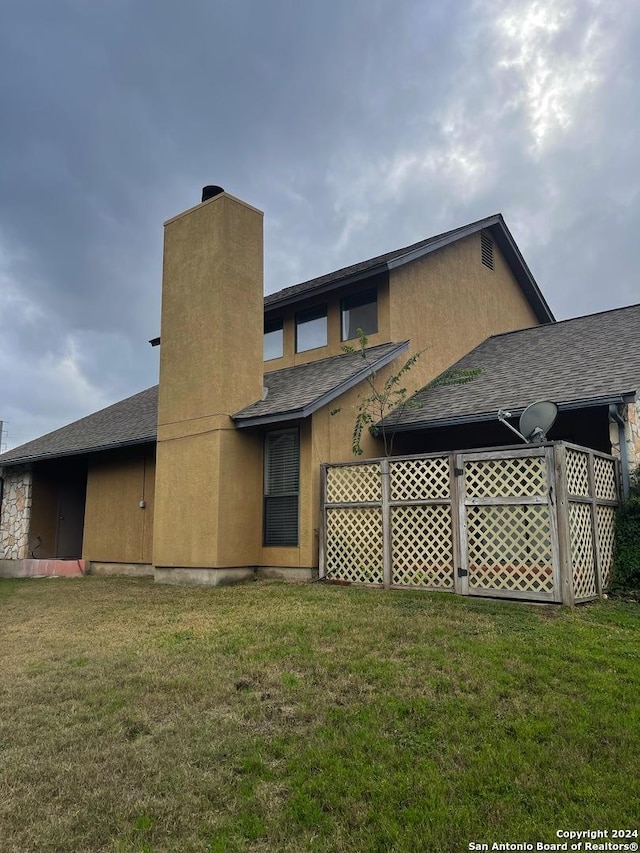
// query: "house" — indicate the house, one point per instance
point(214, 473)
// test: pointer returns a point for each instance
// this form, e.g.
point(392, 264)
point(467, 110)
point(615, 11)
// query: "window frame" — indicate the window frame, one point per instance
point(321, 311)
point(266, 497)
point(373, 291)
point(278, 324)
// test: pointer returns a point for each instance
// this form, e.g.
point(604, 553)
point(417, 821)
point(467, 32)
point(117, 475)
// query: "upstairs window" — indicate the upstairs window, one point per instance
point(273, 339)
point(311, 328)
point(359, 311)
point(281, 487)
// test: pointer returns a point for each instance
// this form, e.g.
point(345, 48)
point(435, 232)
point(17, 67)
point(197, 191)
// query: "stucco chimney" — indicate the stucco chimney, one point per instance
point(211, 363)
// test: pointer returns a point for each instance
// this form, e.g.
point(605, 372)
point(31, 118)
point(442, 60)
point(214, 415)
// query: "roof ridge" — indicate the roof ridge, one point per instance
point(399, 252)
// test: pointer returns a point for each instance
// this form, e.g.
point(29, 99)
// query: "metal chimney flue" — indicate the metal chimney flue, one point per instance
point(211, 191)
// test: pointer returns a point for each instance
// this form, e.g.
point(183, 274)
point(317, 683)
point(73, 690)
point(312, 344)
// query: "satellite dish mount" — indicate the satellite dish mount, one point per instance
point(535, 422)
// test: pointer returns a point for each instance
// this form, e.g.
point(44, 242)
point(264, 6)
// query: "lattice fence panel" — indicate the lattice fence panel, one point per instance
point(577, 473)
point(604, 475)
point(353, 484)
point(606, 523)
point(582, 558)
point(354, 545)
point(415, 479)
point(493, 478)
point(421, 544)
point(510, 548)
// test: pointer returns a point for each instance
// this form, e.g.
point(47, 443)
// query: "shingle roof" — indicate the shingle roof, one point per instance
point(296, 392)
point(494, 224)
point(573, 361)
point(293, 392)
point(130, 421)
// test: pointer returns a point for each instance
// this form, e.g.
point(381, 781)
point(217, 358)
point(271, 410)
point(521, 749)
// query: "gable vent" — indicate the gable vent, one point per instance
point(486, 248)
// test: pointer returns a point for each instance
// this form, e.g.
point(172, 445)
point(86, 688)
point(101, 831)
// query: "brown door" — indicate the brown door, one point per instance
point(71, 500)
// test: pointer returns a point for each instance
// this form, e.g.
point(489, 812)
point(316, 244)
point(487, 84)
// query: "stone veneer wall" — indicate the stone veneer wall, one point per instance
point(15, 513)
point(632, 432)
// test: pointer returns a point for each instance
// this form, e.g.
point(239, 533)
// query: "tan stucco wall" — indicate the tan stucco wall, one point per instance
point(209, 480)
point(334, 341)
point(449, 302)
point(116, 528)
point(210, 500)
point(445, 304)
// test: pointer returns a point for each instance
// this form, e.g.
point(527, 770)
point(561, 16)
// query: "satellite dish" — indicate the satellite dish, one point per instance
point(535, 422)
point(537, 419)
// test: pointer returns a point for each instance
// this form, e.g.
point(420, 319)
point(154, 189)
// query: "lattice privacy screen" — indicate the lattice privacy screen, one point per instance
point(510, 548)
point(353, 484)
point(416, 479)
point(585, 562)
point(604, 475)
point(502, 509)
point(421, 546)
point(606, 522)
point(577, 473)
point(498, 478)
point(582, 556)
point(354, 544)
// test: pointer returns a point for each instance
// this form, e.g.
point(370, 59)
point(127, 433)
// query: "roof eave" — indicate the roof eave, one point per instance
point(446, 240)
point(327, 397)
point(480, 417)
point(43, 457)
point(326, 287)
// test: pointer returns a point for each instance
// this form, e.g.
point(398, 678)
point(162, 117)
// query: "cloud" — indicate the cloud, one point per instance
point(554, 54)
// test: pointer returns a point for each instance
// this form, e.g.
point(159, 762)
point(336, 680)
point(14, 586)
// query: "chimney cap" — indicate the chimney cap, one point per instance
point(211, 191)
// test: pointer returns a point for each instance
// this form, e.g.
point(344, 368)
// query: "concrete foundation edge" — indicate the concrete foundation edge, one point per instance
point(185, 576)
point(131, 570)
point(174, 575)
point(287, 573)
point(223, 576)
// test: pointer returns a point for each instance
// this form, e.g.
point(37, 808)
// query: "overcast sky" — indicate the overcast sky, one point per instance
point(358, 126)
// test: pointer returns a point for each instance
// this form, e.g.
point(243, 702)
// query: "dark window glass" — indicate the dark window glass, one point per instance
point(273, 339)
point(281, 486)
point(311, 328)
point(359, 311)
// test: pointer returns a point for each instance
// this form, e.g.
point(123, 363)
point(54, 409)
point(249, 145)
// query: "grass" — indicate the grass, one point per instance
point(274, 717)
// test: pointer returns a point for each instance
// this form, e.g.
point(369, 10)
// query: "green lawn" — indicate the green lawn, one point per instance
point(276, 717)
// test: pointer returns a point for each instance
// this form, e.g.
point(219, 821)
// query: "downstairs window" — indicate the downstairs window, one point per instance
point(281, 487)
